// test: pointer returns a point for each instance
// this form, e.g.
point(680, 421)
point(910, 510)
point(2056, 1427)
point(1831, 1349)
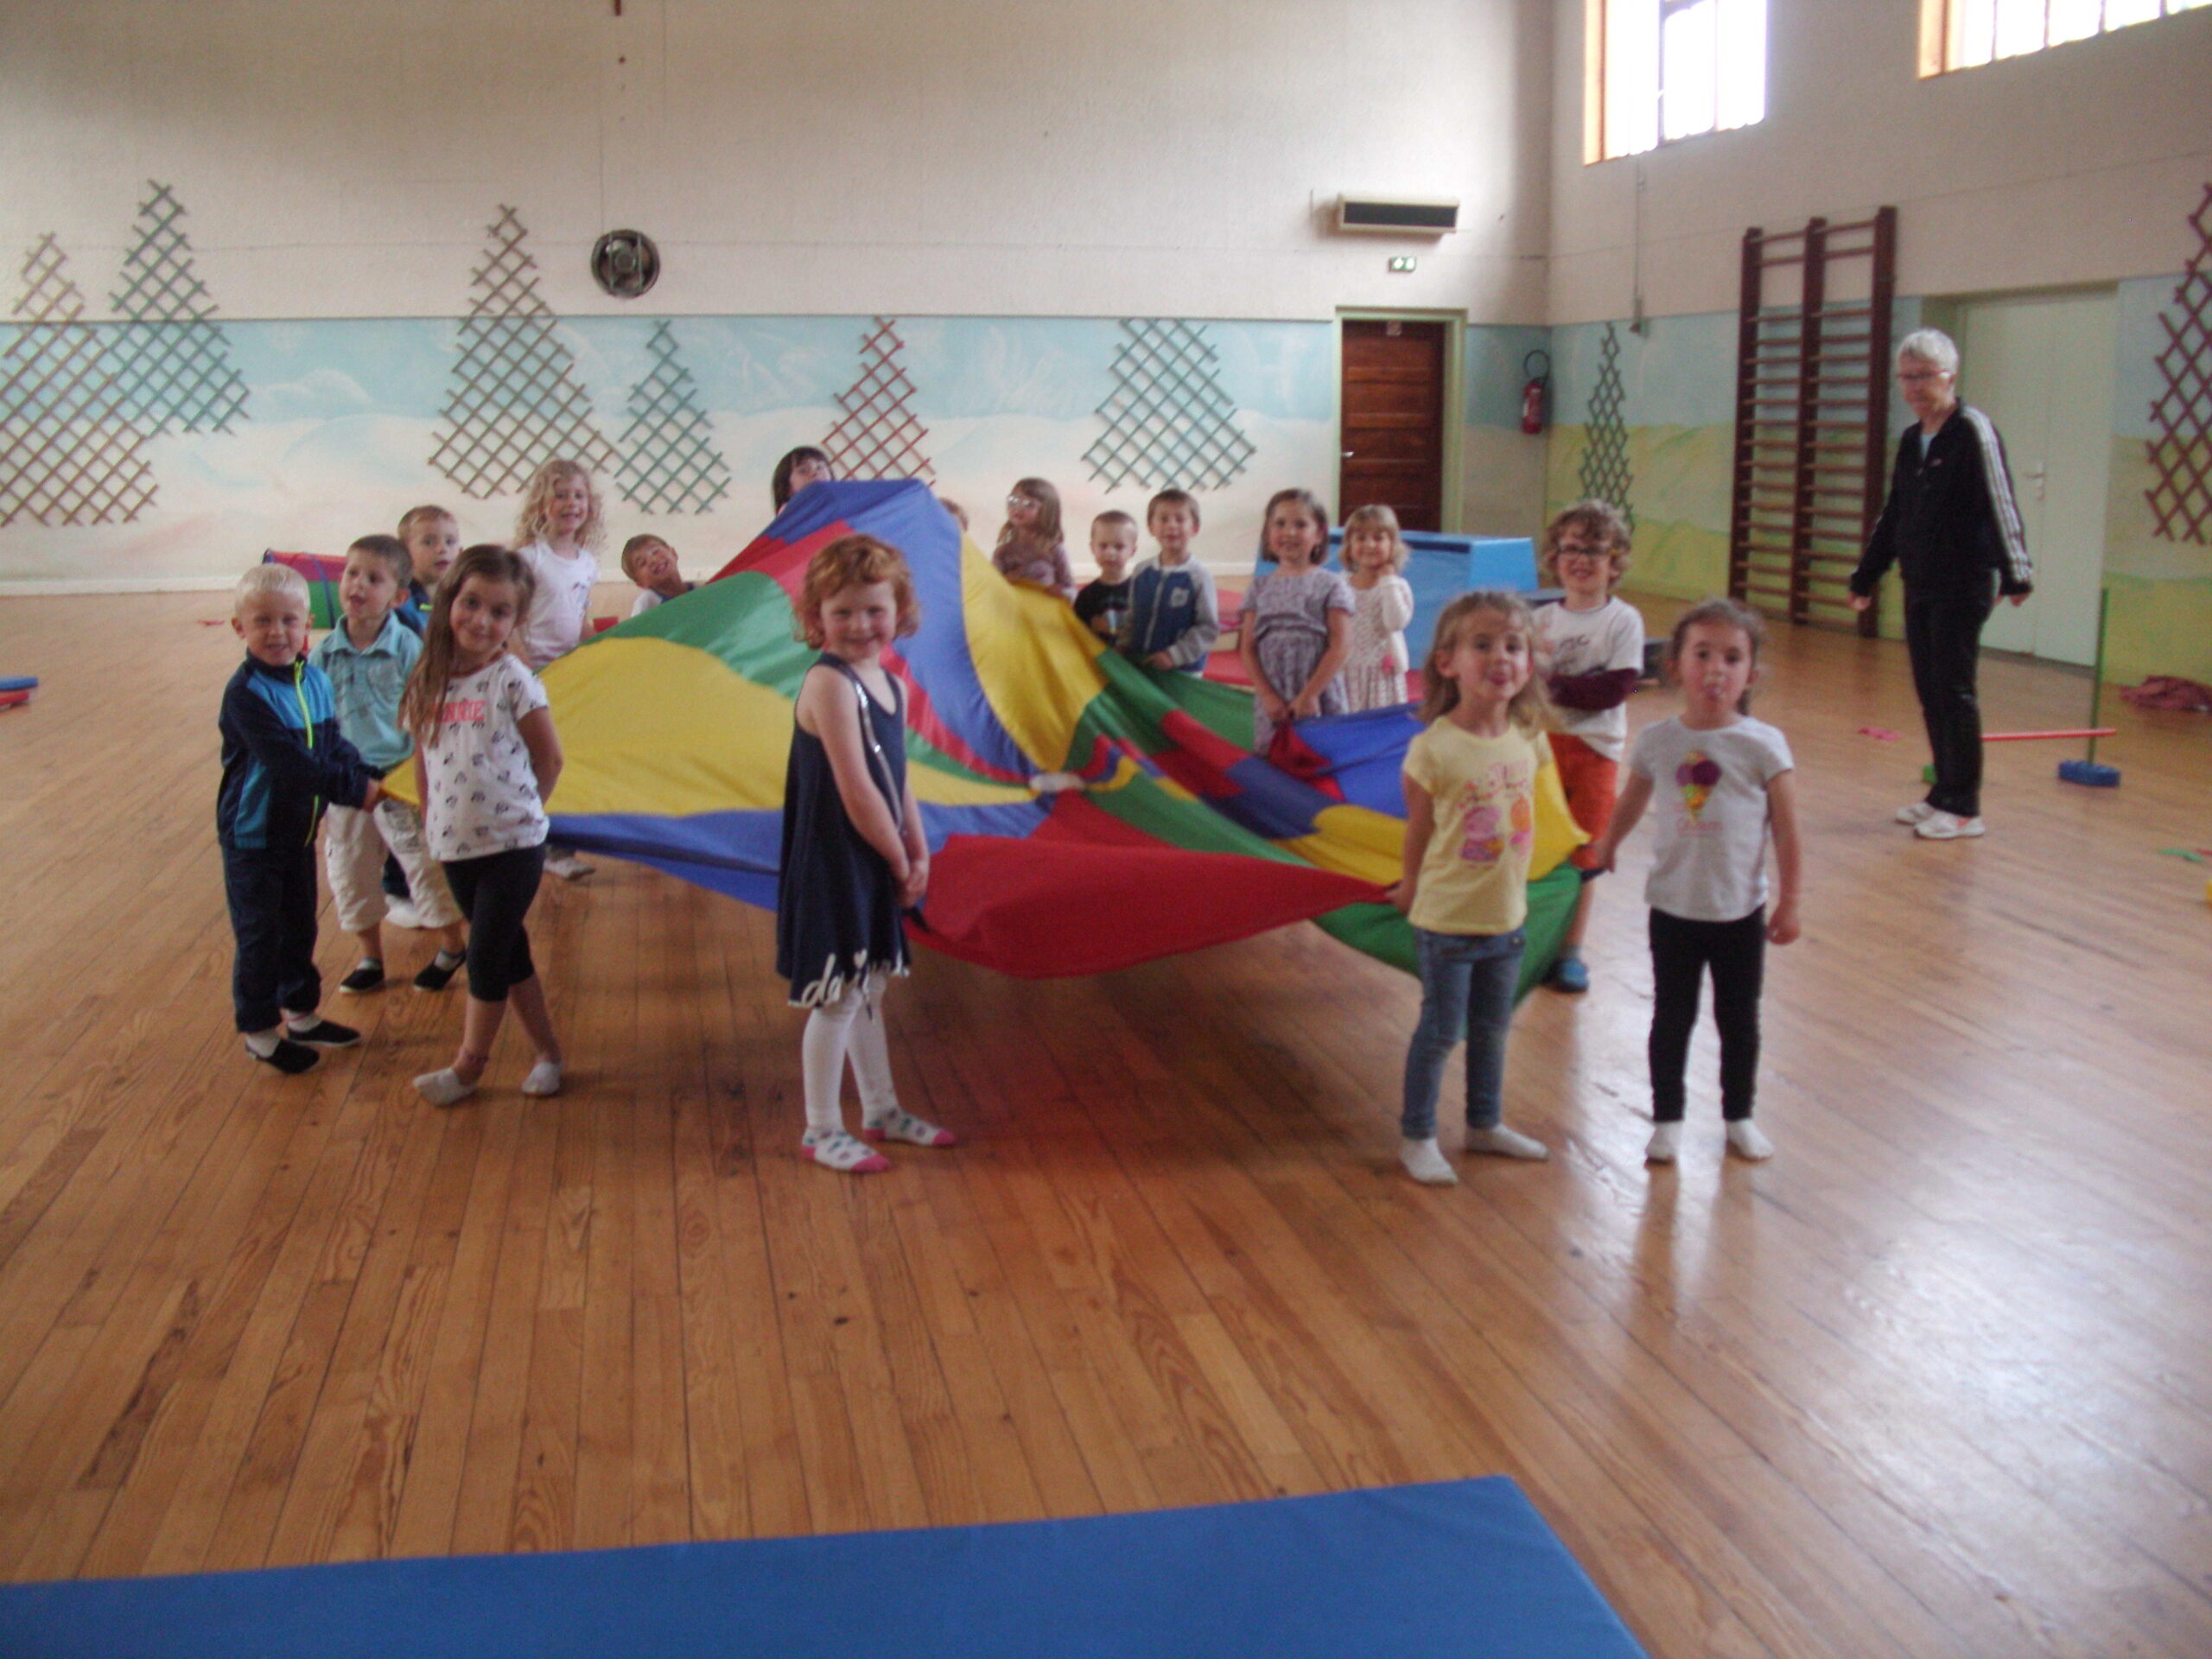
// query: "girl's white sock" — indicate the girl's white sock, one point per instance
point(1425, 1162)
point(821, 1049)
point(870, 1053)
point(1745, 1140)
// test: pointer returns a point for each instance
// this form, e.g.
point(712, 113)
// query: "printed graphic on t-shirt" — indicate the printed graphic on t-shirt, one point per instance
point(1498, 814)
point(1696, 777)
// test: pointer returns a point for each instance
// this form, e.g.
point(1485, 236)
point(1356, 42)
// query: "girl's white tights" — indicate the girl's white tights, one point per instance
point(851, 1028)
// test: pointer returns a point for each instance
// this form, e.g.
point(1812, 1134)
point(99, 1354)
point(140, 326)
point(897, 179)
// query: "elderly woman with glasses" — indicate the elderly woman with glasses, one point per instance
point(1952, 529)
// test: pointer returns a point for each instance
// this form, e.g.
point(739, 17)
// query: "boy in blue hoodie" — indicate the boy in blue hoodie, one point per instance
point(283, 762)
point(1172, 617)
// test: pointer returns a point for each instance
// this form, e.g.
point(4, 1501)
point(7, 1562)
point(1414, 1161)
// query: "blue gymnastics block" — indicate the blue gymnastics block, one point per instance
point(2093, 773)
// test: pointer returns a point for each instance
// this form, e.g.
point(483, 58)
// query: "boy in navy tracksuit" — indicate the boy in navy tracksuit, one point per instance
point(283, 762)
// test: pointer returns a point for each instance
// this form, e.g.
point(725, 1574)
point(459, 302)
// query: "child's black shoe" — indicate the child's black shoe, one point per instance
point(438, 973)
point(289, 1057)
point(323, 1033)
point(366, 977)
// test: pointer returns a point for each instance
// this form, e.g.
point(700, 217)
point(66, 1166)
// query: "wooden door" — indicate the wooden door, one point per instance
point(1393, 422)
point(2041, 369)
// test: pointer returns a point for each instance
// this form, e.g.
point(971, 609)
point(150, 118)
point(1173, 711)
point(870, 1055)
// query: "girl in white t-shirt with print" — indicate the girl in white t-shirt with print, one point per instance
point(486, 759)
point(1724, 782)
point(556, 534)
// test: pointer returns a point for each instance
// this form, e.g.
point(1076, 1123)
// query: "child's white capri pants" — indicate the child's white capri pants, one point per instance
point(353, 852)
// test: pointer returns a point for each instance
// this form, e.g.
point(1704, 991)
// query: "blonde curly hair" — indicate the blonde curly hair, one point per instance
point(536, 513)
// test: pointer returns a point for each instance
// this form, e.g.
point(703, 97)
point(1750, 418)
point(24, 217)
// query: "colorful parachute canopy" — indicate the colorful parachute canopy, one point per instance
point(677, 726)
point(321, 572)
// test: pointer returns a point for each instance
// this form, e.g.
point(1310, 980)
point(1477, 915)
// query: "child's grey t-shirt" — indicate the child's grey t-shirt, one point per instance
point(1708, 801)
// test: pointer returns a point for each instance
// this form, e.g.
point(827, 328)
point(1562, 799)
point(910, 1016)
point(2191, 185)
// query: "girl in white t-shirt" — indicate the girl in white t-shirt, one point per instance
point(1724, 782)
point(556, 534)
point(486, 759)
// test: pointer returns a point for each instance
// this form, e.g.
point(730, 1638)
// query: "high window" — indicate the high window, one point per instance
point(1963, 34)
point(1661, 70)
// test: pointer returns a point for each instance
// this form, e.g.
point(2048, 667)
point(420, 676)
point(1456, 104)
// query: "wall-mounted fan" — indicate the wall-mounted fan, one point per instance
point(626, 262)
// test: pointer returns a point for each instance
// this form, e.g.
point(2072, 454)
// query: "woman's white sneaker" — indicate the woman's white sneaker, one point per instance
point(1918, 812)
point(1948, 826)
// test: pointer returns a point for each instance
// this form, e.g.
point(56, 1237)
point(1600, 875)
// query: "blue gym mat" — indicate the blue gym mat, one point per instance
point(1465, 1568)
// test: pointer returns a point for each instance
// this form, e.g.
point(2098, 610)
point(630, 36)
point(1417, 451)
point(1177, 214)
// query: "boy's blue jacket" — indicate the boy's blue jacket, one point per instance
point(283, 760)
point(1171, 608)
point(414, 608)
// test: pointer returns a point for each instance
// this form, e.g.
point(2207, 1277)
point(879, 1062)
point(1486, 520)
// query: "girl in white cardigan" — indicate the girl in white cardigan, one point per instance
point(1374, 673)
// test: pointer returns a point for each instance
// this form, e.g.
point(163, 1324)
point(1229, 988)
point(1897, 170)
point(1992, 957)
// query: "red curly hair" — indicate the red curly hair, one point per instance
point(854, 562)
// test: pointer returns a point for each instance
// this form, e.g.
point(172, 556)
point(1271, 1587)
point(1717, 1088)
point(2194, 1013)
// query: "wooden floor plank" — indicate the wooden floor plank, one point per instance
point(1928, 1384)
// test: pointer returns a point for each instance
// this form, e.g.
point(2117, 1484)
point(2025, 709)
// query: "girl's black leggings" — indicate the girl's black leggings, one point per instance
point(494, 893)
point(1680, 952)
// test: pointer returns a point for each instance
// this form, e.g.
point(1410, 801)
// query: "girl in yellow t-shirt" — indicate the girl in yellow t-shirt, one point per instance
point(1471, 819)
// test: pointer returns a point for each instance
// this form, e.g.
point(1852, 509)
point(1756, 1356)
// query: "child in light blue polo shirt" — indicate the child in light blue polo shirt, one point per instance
point(368, 656)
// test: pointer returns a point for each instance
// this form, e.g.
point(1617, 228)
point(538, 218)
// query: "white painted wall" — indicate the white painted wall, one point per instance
point(2072, 166)
point(994, 157)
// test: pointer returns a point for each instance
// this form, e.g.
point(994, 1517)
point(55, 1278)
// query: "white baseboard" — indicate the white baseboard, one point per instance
point(10, 587)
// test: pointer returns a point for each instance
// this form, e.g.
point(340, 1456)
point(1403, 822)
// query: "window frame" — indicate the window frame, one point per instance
point(1595, 75)
point(1942, 22)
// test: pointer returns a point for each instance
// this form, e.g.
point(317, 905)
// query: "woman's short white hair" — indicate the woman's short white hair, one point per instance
point(1931, 346)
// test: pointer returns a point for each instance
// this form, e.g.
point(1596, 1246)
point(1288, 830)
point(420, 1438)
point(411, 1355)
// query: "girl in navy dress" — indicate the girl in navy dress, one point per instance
point(853, 856)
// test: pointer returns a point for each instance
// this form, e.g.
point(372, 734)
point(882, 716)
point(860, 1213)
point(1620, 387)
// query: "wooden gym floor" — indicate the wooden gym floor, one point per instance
point(1932, 1383)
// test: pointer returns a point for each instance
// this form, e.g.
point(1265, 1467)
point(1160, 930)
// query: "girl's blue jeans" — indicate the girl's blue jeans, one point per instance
point(1466, 991)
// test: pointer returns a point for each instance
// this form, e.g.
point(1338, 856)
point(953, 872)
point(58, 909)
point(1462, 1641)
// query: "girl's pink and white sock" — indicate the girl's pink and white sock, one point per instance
point(834, 1149)
point(899, 1124)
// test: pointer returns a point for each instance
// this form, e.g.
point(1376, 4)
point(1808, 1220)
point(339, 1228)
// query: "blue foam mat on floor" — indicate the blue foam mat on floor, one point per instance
point(1464, 1568)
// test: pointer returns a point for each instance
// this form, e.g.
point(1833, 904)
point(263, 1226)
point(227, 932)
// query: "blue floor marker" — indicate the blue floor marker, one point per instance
point(1466, 1569)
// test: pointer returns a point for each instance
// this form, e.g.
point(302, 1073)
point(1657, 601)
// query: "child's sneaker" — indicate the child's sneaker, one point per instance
point(323, 1033)
point(1666, 1140)
point(438, 972)
point(567, 867)
point(1948, 826)
point(289, 1057)
point(1425, 1162)
point(834, 1149)
point(1746, 1142)
point(367, 976)
point(899, 1124)
point(1498, 1142)
point(544, 1079)
point(1569, 974)
point(1918, 812)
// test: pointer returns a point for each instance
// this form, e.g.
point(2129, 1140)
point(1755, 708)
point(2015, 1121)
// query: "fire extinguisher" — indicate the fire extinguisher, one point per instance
point(1532, 395)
